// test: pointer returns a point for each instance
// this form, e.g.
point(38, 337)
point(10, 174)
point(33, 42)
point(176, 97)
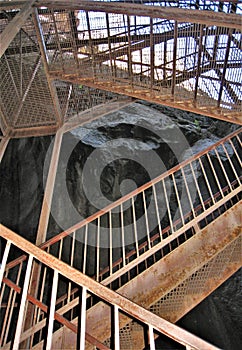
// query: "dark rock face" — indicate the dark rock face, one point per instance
point(119, 150)
point(21, 187)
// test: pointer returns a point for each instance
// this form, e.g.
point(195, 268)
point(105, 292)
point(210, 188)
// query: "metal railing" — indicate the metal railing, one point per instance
point(221, 190)
point(168, 227)
point(149, 52)
point(183, 54)
point(86, 285)
point(126, 261)
point(142, 222)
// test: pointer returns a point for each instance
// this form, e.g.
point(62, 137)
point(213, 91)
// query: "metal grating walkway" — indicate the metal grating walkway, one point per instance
point(184, 54)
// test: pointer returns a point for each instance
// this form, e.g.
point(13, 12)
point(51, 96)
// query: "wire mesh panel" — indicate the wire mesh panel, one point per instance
point(25, 96)
point(172, 305)
point(183, 64)
point(194, 65)
point(76, 98)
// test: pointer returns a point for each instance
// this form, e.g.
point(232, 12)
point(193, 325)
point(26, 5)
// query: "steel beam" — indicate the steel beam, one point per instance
point(15, 25)
point(49, 188)
point(181, 15)
point(165, 275)
point(40, 37)
point(3, 146)
point(172, 270)
point(44, 220)
point(33, 131)
point(163, 98)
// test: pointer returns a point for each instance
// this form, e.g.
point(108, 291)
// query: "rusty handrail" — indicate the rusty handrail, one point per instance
point(65, 233)
point(105, 294)
point(137, 191)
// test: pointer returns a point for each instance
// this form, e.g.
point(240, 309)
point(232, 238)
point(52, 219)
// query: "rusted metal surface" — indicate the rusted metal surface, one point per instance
point(58, 317)
point(168, 235)
point(120, 68)
point(173, 269)
point(104, 293)
point(3, 145)
point(189, 257)
point(143, 251)
point(142, 188)
point(103, 72)
point(45, 211)
point(44, 219)
point(115, 62)
point(165, 99)
point(208, 18)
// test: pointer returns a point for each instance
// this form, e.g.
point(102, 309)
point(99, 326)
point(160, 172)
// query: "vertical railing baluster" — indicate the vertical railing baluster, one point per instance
point(98, 249)
point(188, 193)
point(215, 174)
point(223, 169)
point(235, 151)
point(83, 318)
point(231, 164)
point(146, 220)
point(168, 206)
point(157, 211)
point(110, 244)
point(122, 234)
point(178, 199)
point(60, 249)
point(71, 263)
point(52, 311)
point(91, 45)
point(85, 250)
point(42, 292)
point(197, 187)
point(206, 180)
point(174, 60)
point(11, 307)
point(23, 304)
point(4, 261)
point(151, 338)
point(116, 328)
point(152, 54)
point(135, 228)
point(238, 138)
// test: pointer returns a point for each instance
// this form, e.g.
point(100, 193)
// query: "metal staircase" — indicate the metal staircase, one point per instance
point(126, 274)
point(169, 270)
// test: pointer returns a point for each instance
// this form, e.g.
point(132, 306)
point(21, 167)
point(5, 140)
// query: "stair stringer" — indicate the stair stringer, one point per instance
point(174, 272)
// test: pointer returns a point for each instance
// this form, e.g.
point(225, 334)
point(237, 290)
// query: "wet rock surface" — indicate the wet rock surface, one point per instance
point(126, 143)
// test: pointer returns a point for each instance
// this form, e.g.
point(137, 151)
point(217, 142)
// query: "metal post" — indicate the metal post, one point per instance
point(52, 311)
point(116, 328)
point(4, 261)
point(83, 318)
point(3, 146)
point(151, 338)
point(22, 304)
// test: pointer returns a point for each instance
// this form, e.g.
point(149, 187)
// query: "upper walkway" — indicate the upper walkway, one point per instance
point(176, 53)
